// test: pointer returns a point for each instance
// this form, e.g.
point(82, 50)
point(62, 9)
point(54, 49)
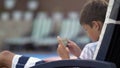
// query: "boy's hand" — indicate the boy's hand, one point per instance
point(73, 48)
point(62, 51)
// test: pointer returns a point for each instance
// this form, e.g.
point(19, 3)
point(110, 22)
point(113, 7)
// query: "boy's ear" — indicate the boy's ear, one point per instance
point(96, 25)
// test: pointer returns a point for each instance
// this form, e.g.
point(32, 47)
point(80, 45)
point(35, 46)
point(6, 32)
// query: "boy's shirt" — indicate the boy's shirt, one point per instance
point(88, 51)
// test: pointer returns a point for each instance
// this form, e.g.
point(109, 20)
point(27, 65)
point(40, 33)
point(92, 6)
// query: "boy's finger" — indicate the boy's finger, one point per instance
point(70, 41)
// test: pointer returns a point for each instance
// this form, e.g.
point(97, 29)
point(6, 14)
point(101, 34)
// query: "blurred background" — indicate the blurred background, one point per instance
point(30, 27)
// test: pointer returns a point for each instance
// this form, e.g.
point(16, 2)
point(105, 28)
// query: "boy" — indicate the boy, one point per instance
point(92, 18)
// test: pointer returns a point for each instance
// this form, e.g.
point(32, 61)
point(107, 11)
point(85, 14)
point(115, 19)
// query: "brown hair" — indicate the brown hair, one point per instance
point(94, 10)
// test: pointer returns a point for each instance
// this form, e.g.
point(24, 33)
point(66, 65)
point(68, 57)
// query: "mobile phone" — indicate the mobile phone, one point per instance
point(65, 41)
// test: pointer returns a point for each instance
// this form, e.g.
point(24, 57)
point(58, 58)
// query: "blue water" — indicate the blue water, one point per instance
point(40, 55)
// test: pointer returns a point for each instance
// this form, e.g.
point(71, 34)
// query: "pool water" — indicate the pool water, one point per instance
point(40, 55)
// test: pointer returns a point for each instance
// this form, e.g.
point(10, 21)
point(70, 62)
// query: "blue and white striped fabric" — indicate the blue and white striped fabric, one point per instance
point(20, 61)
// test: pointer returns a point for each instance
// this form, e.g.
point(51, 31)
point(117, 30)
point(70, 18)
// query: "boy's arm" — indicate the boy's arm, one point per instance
point(74, 48)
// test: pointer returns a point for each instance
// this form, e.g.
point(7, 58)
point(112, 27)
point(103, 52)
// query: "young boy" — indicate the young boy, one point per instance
point(92, 18)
